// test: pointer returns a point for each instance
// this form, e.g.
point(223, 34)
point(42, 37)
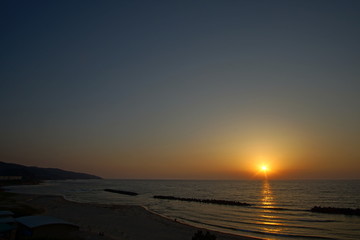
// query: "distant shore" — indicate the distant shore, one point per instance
point(101, 221)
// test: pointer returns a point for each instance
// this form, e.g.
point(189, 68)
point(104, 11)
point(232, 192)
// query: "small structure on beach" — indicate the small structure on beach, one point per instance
point(7, 225)
point(7, 217)
point(8, 220)
point(7, 231)
point(6, 214)
point(44, 226)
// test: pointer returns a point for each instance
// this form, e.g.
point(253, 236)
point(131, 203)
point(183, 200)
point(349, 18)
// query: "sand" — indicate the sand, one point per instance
point(116, 221)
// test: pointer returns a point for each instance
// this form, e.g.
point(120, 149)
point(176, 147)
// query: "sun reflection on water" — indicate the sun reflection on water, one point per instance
point(267, 196)
point(268, 220)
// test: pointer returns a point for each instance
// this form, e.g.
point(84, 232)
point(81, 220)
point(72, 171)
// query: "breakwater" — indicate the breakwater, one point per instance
point(121, 192)
point(334, 210)
point(208, 201)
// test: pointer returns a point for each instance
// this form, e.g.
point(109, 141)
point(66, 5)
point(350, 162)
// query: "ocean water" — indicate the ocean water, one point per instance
point(279, 209)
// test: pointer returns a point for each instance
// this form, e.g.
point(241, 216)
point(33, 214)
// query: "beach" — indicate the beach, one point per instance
point(101, 221)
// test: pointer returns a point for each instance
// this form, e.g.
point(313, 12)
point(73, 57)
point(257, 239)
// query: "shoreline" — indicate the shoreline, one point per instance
point(117, 221)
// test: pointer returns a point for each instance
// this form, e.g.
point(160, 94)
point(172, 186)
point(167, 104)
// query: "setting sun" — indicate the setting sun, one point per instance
point(264, 170)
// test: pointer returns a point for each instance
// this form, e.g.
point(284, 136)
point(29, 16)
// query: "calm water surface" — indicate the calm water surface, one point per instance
point(278, 211)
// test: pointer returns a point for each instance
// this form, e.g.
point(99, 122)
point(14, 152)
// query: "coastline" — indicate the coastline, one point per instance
point(116, 221)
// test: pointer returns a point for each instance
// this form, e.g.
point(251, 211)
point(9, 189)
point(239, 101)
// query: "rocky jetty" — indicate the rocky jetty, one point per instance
point(334, 210)
point(121, 192)
point(209, 201)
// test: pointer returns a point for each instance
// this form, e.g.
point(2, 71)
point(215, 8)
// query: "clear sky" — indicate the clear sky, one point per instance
point(182, 89)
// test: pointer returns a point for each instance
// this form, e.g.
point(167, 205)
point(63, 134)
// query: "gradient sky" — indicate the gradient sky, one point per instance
point(182, 89)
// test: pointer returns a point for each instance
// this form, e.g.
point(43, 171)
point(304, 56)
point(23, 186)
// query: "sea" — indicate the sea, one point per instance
point(279, 209)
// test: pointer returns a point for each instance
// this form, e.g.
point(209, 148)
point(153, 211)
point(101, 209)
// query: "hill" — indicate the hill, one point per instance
point(37, 173)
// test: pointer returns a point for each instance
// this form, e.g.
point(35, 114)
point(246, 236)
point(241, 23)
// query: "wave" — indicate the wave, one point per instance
point(257, 222)
point(260, 232)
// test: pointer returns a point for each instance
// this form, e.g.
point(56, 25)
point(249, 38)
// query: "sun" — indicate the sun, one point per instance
point(265, 170)
point(263, 167)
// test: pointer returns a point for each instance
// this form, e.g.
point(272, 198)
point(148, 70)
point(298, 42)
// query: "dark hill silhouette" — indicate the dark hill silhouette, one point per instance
point(37, 173)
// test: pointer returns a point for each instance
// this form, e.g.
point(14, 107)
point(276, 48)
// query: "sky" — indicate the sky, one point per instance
point(182, 89)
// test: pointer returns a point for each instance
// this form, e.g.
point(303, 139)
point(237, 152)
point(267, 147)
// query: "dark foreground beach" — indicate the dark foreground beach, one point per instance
point(114, 221)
